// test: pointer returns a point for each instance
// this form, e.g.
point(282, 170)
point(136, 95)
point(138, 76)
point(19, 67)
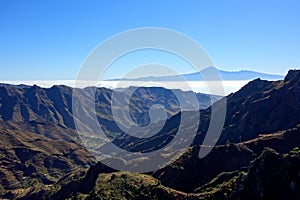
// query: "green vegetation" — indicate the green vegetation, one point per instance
point(125, 186)
point(294, 151)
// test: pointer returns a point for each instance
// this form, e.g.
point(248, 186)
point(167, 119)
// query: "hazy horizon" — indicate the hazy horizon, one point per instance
point(195, 86)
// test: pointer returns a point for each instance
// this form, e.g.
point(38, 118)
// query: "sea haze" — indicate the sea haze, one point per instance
point(232, 81)
point(196, 86)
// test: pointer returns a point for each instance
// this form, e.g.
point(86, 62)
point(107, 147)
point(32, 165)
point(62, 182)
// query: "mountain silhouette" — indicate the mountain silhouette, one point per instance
point(209, 73)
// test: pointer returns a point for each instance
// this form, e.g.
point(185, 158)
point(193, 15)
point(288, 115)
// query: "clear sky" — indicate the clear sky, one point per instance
point(50, 39)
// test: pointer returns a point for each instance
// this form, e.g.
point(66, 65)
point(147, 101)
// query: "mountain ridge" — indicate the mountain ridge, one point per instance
point(262, 114)
point(207, 72)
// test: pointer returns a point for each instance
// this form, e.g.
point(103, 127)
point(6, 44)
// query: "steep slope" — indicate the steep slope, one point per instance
point(117, 185)
point(35, 105)
point(27, 159)
point(39, 140)
point(263, 113)
point(260, 107)
point(226, 173)
point(270, 176)
point(190, 172)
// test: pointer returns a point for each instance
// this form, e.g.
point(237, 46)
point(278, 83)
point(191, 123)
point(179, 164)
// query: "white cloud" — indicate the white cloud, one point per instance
point(196, 86)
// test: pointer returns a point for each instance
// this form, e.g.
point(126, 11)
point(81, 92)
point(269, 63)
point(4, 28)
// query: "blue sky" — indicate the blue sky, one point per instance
point(50, 39)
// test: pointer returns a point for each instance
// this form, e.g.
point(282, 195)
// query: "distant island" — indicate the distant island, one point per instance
point(242, 75)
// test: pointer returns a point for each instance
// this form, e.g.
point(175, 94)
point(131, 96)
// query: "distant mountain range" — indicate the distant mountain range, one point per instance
point(256, 157)
point(208, 72)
